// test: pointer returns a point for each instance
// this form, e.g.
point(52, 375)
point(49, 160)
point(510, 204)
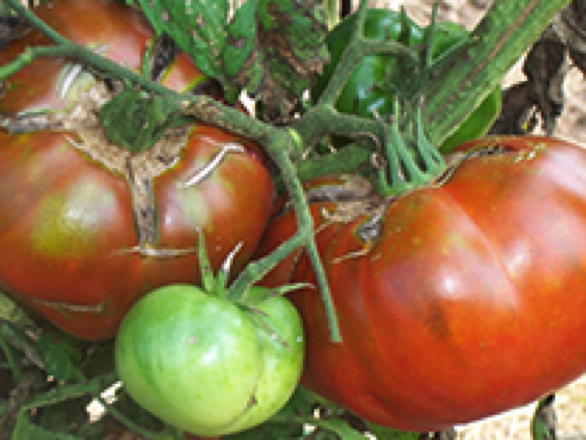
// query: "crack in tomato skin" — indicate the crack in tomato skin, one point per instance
point(92, 253)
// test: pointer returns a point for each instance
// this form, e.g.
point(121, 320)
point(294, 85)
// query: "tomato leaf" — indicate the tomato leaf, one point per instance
point(59, 353)
point(277, 58)
point(280, 426)
point(197, 26)
point(24, 429)
point(65, 416)
point(136, 120)
point(340, 428)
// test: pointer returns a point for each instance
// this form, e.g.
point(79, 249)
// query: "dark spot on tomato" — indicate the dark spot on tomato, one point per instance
point(436, 320)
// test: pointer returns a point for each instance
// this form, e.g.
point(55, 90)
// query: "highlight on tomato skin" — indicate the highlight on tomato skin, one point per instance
point(68, 213)
point(471, 300)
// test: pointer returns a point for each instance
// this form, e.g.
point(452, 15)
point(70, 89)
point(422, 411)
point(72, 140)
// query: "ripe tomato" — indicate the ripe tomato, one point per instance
point(455, 301)
point(69, 218)
point(204, 364)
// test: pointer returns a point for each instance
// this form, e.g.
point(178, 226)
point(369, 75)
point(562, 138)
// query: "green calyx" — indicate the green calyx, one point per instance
point(216, 284)
point(408, 159)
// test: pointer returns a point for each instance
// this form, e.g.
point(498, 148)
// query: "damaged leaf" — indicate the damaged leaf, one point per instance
point(546, 66)
point(137, 120)
point(570, 25)
point(197, 26)
point(277, 57)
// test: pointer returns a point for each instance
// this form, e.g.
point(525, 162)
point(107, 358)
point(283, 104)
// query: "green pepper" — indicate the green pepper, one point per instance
point(365, 92)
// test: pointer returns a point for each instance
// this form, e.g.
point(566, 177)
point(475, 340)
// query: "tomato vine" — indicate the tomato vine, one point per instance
point(454, 89)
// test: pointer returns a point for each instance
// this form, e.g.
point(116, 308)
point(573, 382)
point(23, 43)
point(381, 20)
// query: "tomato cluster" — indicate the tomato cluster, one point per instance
point(456, 300)
point(68, 220)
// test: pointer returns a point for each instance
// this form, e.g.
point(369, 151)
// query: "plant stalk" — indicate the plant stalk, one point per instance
point(507, 30)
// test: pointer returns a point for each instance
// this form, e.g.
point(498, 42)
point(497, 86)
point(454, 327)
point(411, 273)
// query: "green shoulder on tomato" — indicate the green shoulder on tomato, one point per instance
point(362, 93)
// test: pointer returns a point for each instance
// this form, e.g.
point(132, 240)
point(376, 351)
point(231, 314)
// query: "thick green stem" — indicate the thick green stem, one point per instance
point(36, 22)
point(304, 237)
point(324, 120)
point(501, 38)
point(357, 48)
point(354, 157)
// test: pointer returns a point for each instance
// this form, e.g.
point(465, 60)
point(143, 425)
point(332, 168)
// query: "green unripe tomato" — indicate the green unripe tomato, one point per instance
point(360, 95)
point(206, 365)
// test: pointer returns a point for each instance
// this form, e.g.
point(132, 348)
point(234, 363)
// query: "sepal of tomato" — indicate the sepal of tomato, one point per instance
point(471, 301)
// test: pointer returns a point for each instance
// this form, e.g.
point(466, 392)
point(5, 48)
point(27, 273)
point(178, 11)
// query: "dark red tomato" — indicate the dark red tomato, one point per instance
point(109, 28)
point(67, 223)
point(470, 301)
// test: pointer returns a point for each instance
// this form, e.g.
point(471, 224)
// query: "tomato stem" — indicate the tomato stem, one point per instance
point(410, 158)
point(358, 47)
point(170, 432)
point(303, 237)
point(500, 39)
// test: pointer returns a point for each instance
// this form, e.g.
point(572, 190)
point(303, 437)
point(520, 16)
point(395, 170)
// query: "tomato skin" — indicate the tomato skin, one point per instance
point(198, 361)
point(471, 303)
point(68, 220)
point(361, 96)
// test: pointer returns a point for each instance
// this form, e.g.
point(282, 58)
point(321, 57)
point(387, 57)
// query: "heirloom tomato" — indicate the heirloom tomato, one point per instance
point(457, 300)
point(206, 365)
point(89, 227)
point(365, 90)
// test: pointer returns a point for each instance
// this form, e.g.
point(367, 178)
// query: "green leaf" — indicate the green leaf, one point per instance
point(58, 358)
point(382, 433)
point(136, 120)
point(21, 341)
point(11, 312)
point(66, 392)
point(274, 50)
point(197, 26)
point(25, 430)
point(64, 417)
point(543, 424)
